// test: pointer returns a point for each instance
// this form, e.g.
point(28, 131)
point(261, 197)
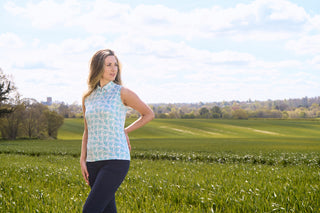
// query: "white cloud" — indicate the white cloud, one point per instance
point(163, 60)
point(58, 70)
point(314, 23)
point(63, 68)
point(155, 72)
point(259, 20)
point(278, 64)
point(103, 16)
point(315, 61)
point(305, 45)
point(156, 67)
point(46, 13)
point(10, 40)
point(285, 10)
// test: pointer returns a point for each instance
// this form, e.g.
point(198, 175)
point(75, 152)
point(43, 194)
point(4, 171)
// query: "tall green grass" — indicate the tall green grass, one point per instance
point(177, 166)
point(54, 184)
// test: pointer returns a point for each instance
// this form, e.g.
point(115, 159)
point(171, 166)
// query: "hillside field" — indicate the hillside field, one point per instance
point(178, 165)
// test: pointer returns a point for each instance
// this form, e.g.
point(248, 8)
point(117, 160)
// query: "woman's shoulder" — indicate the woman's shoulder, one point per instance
point(126, 91)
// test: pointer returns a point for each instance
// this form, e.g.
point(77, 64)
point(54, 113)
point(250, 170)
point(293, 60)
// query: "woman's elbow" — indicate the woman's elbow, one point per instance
point(148, 115)
point(152, 116)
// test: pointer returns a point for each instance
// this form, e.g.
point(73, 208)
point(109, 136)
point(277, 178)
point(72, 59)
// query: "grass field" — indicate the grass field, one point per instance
point(177, 166)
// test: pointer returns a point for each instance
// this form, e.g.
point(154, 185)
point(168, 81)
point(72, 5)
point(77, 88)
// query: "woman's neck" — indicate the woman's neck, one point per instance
point(103, 83)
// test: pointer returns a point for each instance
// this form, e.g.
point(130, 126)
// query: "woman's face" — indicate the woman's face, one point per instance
point(110, 68)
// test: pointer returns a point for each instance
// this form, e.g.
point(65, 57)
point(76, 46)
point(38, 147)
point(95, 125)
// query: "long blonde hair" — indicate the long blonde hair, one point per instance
point(96, 70)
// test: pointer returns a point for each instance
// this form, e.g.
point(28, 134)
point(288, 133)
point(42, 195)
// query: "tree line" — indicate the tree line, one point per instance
point(25, 118)
point(28, 118)
point(282, 109)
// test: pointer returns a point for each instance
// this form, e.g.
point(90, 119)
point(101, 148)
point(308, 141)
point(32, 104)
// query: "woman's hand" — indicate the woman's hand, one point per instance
point(84, 171)
point(128, 140)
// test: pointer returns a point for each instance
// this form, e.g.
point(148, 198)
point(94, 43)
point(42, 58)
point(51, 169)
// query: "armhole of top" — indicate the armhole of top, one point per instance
point(121, 87)
point(84, 106)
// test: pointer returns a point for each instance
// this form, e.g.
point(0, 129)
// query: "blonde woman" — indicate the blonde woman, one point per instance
point(105, 151)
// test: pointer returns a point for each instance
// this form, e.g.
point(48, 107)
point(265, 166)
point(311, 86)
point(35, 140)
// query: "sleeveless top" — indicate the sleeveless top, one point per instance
point(105, 115)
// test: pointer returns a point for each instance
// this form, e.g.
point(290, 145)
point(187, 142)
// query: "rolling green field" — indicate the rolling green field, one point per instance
point(177, 166)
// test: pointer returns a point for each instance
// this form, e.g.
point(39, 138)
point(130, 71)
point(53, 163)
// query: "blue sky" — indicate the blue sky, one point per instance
point(171, 51)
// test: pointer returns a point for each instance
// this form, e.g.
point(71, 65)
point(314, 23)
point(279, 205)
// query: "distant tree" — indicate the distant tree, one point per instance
point(275, 114)
point(161, 109)
point(255, 105)
point(285, 115)
point(315, 106)
point(270, 104)
point(255, 109)
point(305, 102)
point(11, 122)
point(303, 114)
point(54, 122)
point(189, 115)
point(216, 112)
point(180, 113)
point(226, 112)
point(64, 110)
point(239, 114)
point(204, 112)
point(314, 109)
point(75, 110)
point(6, 87)
point(235, 106)
point(163, 115)
point(281, 106)
point(174, 113)
point(34, 122)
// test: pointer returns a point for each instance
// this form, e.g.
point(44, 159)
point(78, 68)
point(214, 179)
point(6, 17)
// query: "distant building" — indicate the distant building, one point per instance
point(49, 101)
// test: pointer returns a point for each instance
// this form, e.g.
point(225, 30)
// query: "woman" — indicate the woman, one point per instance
point(105, 151)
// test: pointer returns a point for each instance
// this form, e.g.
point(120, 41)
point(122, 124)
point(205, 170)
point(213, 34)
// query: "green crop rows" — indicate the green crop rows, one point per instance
point(177, 166)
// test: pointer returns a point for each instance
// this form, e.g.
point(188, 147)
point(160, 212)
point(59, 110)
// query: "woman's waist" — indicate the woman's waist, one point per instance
point(106, 135)
point(112, 128)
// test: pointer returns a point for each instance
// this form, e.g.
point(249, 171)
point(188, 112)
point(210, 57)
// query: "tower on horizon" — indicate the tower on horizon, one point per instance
point(49, 101)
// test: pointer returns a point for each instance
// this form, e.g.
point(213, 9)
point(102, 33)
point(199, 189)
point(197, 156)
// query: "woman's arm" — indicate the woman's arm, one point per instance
point(83, 156)
point(130, 99)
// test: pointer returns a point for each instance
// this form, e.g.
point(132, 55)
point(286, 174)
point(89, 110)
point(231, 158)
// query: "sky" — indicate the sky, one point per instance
point(182, 51)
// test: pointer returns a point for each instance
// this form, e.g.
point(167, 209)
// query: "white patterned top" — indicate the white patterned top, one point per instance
point(105, 115)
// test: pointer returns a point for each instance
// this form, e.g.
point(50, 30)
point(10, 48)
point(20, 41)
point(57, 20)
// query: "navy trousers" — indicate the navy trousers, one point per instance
point(105, 178)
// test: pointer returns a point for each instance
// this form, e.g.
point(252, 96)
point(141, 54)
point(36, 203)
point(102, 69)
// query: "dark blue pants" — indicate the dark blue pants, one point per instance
point(105, 178)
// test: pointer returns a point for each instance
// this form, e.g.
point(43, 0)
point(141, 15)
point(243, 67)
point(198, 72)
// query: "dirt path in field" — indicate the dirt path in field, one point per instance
point(192, 131)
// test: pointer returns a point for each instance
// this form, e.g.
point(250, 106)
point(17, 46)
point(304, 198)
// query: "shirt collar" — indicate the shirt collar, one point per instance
point(106, 87)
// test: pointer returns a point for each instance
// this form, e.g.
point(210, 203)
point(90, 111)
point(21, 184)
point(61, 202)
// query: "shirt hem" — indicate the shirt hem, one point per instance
point(108, 159)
